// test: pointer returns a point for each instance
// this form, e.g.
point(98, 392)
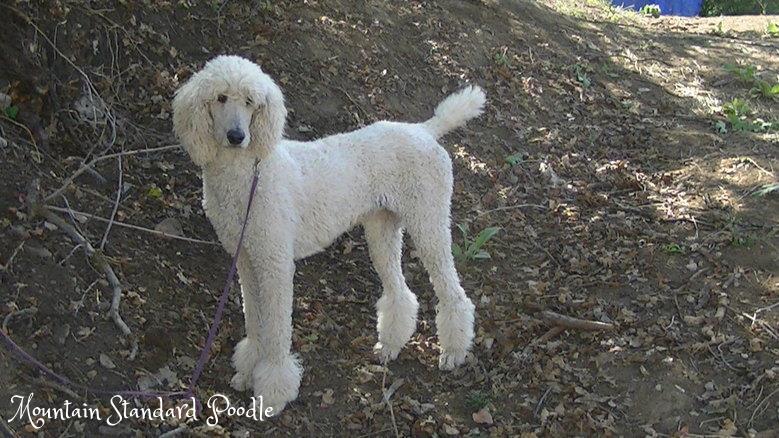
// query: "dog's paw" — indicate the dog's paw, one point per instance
point(451, 359)
point(245, 358)
point(277, 383)
point(241, 381)
point(386, 353)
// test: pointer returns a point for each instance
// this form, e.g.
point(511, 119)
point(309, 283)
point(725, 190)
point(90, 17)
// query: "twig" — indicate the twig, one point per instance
point(92, 162)
point(765, 309)
point(100, 261)
point(511, 207)
point(386, 396)
point(759, 405)
point(7, 264)
point(759, 167)
point(90, 87)
point(541, 402)
point(24, 127)
point(569, 322)
point(551, 334)
point(6, 429)
point(133, 227)
point(7, 319)
point(116, 206)
point(54, 385)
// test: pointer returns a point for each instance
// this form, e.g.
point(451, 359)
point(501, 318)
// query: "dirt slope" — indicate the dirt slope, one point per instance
point(623, 194)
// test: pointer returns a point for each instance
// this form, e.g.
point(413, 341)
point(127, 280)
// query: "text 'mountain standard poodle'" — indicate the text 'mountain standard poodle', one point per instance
point(388, 177)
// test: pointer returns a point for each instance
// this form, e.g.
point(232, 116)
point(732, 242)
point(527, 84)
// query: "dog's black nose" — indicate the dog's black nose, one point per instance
point(235, 136)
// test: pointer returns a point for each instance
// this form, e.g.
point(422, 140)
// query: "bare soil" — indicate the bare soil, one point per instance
point(623, 201)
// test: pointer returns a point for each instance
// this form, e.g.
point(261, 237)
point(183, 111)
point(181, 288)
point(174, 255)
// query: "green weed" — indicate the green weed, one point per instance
point(476, 400)
point(650, 10)
point(673, 248)
point(471, 249)
point(767, 189)
point(581, 75)
point(745, 73)
point(765, 89)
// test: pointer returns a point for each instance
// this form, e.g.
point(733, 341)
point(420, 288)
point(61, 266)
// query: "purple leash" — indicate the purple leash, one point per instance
point(204, 353)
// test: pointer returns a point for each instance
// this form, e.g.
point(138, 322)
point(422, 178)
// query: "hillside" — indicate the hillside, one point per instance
point(626, 160)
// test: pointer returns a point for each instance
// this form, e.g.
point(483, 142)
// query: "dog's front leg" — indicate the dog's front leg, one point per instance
point(276, 373)
point(248, 351)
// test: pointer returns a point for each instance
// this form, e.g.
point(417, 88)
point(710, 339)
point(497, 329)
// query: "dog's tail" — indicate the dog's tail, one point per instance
point(457, 109)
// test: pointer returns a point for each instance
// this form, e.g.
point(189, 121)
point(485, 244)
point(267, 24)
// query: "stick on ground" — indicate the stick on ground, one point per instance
point(96, 257)
point(556, 319)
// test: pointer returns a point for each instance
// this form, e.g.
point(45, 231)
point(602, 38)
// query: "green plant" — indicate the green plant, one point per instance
point(581, 75)
point(515, 159)
point(471, 249)
point(746, 73)
point(737, 111)
point(502, 59)
point(477, 400)
point(719, 31)
point(742, 240)
point(673, 248)
point(772, 30)
point(12, 112)
point(765, 89)
point(767, 189)
point(712, 8)
point(650, 10)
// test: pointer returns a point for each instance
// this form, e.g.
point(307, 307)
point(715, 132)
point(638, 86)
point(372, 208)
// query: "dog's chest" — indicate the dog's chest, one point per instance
point(222, 210)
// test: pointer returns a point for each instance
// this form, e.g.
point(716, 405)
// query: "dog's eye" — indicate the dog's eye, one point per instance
point(249, 101)
point(221, 98)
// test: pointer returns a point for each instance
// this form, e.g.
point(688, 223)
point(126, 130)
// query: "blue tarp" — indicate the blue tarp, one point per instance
point(686, 8)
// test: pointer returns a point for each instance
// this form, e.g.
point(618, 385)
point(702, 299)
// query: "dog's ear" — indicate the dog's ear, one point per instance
point(192, 121)
point(269, 119)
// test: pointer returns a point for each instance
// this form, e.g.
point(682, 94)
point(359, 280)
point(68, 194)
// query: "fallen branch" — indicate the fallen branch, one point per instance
point(95, 160)
point(97, 258)
point(131, 226)
point(116, 205)
point(7, 264)
point(568, 322)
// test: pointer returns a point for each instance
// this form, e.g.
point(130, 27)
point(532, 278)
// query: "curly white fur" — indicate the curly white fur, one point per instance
point(388, 177)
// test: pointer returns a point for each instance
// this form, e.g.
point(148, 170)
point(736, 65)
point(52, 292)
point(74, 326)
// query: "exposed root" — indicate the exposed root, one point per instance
point(97, 258)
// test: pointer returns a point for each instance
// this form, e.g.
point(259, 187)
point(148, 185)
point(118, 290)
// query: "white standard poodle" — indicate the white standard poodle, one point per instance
point(388, 177)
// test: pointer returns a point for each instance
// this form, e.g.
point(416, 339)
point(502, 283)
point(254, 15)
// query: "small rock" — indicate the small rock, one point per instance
point(170, 226)
point(450, 430)
point(328, 398)
point(5, 101)
point(39, 251)
point(106, 361)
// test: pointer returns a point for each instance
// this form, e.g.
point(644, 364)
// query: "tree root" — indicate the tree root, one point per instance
point(96, 257)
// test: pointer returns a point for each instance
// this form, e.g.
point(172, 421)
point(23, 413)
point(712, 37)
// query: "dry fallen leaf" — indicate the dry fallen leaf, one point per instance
point(482, 416)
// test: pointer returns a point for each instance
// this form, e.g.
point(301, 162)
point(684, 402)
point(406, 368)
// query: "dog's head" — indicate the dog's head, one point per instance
point(229, 105)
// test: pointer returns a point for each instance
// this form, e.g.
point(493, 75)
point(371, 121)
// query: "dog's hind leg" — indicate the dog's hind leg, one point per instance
point(247, 352)
point(397, 307)
point(455, 311)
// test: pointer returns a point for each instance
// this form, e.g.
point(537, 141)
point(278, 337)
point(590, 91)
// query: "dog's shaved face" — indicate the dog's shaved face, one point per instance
point(232, 115)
